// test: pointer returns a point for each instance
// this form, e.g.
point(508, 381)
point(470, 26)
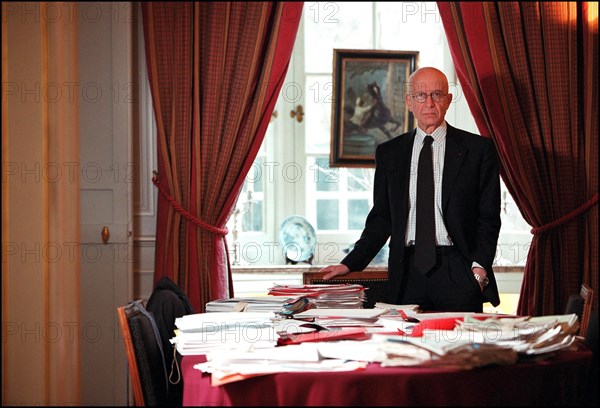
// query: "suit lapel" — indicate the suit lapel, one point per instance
point(455, 154)
point(401, 168)
point(405, 154)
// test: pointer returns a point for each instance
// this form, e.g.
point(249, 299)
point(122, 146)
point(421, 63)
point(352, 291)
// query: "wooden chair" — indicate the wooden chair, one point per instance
point(144, 355)
point(375, 282)
point(587, 295)
point(581, 304)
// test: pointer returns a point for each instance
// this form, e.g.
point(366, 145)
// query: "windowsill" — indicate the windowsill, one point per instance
point(256, 280)
point(291, 269)
point(294, 269)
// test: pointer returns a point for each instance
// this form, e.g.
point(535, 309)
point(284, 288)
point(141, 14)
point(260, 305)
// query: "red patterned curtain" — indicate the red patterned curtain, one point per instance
point(215, 71)
point(529, 73)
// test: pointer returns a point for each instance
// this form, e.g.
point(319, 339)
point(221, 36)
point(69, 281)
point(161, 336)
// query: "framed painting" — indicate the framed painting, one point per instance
point(369, 106)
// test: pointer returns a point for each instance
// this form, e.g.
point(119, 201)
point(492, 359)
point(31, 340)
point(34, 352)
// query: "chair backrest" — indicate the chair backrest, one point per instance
point(587, 294)
point(581, 304)
point(144, 355)
point(131, 361)
point(374, 281)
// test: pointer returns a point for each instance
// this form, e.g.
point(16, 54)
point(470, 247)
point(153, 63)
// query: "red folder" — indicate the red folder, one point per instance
point(324, 335)
point(435, 324)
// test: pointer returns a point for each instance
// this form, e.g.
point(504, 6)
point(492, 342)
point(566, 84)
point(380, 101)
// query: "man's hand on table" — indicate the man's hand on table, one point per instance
point(334, 270)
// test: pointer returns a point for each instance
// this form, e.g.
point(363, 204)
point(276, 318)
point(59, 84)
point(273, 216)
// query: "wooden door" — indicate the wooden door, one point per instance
point(106, 175)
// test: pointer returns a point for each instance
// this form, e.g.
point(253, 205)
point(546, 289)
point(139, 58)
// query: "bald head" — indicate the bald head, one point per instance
point(427, 97)
point(431, 75)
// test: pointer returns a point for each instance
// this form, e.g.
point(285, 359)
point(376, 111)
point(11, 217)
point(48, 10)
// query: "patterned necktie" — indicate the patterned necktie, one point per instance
point(425, 228)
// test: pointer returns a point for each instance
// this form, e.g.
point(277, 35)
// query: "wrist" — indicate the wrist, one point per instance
point(481, 279)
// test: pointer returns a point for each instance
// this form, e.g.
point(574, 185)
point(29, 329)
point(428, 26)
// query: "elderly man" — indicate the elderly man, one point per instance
point(440, 208)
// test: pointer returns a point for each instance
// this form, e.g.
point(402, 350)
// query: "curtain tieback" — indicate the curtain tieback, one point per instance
point(586, 206)
point(186, 214)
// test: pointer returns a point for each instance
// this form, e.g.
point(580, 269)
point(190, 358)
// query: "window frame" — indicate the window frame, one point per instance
point(286, 192)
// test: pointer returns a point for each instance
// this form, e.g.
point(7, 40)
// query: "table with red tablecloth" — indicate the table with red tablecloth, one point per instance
point(561, 379)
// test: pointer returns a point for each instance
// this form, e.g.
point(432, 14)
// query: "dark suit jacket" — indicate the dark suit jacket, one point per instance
point(168, 302)
point(470, 204)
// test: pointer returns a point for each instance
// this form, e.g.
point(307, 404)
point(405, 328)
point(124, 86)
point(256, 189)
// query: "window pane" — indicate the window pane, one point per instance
point(249, 209)
point(253, 218)
point(357, 214)
point(360, 179)
point(317, 121)
point(256, 177)
point(515, 236)
point(326, 178)
point(329, 25)
point(411, 26)
point(327, 215)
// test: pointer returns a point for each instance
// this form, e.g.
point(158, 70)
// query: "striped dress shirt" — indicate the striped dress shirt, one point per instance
point(439, 149)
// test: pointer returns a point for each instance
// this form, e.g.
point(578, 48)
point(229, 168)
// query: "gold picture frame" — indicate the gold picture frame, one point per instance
point(369, 104)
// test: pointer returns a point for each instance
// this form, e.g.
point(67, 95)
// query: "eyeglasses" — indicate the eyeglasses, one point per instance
point(421, 97)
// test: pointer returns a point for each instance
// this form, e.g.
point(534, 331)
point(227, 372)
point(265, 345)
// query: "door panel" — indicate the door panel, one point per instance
point(105, 176)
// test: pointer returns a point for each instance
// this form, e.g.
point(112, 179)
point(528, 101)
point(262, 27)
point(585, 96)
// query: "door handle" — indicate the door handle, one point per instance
point(105, 234)
point(298, 113)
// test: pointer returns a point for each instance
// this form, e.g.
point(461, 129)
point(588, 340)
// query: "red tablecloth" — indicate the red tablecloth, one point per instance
point(559, 380)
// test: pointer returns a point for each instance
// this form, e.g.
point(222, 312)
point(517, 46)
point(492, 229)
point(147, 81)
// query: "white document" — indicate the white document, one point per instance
point(305, 352)
point(367, 350)
point(219, 321)
point(346, 313)
point(381, 305)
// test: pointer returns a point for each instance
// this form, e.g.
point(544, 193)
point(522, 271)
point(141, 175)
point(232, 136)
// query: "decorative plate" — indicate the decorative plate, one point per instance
point(298, 239)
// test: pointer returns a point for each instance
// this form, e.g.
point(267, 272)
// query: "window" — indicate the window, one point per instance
point(291, 175)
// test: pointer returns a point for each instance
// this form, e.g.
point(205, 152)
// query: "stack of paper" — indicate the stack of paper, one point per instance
point(237, 365)
point(203, 332)
point(388, 306)
point(342, 295)
point(400, 318)
point(335, 318)
point(395, 322)
point(358, 333)
point(444, 350)
point(241, 345)
point(526, 335)
point(473, 341)
point(248, 304)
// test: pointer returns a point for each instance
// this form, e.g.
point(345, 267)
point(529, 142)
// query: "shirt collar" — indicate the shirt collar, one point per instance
point(438, 134)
